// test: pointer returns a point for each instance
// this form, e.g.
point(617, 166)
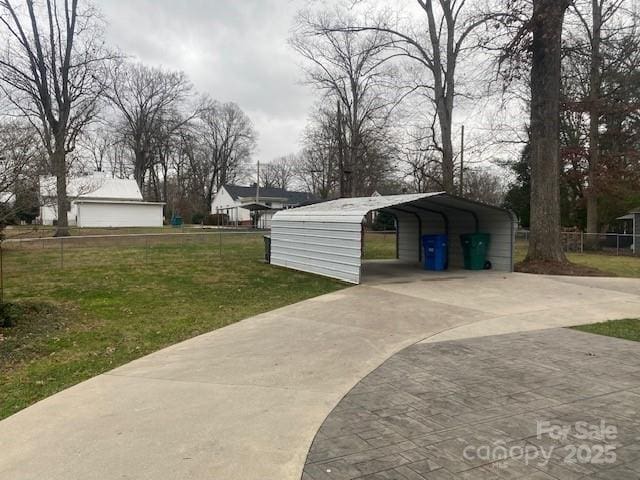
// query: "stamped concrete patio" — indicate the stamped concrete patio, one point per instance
point(475, 409)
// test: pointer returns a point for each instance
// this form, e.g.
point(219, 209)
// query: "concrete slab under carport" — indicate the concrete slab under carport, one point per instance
point(244, 402)
point(375, 272)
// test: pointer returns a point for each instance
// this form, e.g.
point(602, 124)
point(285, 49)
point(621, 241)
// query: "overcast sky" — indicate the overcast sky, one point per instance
point(233, 50)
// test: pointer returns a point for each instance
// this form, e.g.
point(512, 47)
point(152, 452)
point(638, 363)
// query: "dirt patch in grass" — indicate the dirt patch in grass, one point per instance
point(559, 268)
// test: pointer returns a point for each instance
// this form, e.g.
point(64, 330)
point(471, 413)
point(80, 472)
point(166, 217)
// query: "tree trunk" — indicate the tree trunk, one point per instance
point(58, 160)
point(544, 241)
point(594, 117)
point(447, 152)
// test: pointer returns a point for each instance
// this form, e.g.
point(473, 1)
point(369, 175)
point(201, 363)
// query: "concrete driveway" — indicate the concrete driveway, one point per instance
point(244, 402)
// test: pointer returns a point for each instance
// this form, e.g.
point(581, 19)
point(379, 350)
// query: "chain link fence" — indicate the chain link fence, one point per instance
point(177, 248)
point(605, 243)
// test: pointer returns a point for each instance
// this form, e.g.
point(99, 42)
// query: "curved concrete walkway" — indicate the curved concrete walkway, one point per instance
point(244, 402)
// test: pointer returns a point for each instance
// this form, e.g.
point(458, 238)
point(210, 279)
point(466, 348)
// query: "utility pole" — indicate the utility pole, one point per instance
point(340, 150)
point(258, 183)
point(461, 160)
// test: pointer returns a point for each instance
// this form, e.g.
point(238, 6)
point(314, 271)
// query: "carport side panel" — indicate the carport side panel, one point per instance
point(500, 226)
point(408, 237)
point(331, 249)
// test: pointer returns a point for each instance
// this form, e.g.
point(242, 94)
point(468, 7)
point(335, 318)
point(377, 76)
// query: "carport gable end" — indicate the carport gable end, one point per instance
point(326, 238)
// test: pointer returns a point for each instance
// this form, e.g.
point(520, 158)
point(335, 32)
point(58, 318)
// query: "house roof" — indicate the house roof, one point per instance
point(96, 186)
point(237, 191)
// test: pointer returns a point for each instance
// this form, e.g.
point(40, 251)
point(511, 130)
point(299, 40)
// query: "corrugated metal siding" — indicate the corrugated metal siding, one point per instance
point(407, 237)
point(324, 248)
point(502, 238)
point(119, 215)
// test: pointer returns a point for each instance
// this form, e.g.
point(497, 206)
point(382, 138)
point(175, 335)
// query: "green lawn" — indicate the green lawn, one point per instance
point(628, 328)
point(621, 266)
point(112, 303)
point(44, 231)
point(379, 246)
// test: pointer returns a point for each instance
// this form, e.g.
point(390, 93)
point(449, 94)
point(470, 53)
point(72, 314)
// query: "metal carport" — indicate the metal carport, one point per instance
point(326, 238)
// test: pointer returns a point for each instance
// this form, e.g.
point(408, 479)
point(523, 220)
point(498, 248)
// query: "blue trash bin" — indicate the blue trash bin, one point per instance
point(435, 252)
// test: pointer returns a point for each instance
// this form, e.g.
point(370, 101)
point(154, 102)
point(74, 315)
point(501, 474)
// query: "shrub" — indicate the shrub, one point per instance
point(217, 219)
point(9, 313)
point(197, 218)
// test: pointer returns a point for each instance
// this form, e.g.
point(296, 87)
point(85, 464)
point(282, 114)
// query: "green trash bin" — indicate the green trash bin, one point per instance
point(475, 247)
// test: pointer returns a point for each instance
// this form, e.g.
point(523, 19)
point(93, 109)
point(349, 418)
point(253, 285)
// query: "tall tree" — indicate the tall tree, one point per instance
point(350, 70)
point(280, 172)
point(598, 29)
point(146, 98)
point(546, 27)
point(228, 140)
point(50, 71)
point(437, 46)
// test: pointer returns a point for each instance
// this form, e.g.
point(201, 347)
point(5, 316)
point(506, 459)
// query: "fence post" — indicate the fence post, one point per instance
point(617, 244)
point(1, 275)
point(220, 242)
point(581, 242)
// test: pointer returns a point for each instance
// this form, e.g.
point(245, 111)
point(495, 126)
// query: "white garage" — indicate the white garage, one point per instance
point(327, 238)
point(118, 213)
point(99, 200)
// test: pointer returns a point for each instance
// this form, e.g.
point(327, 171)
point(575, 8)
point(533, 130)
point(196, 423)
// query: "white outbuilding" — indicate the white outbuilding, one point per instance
point(100, 201)
point(327, 238)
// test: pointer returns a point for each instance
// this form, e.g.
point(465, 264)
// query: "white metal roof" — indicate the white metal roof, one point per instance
point(111, 202)
point(94, 186)
point(350, 209)
point(354, 209)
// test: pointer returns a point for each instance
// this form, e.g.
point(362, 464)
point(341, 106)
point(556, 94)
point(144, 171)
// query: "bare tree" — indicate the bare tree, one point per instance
point(598, 22)
point(220, 146)
point(146, 98)
point(351, 72)
point(438, 48)
point(484, 185)
point(20, 158)
point(98, 144)
point(421, 165)
point(280, 172)
point(51, 71)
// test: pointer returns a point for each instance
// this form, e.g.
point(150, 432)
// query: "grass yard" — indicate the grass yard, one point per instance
point(112, 303)
point(379, 245)
point(629, 329)
point(45, 231)
point(621, 266)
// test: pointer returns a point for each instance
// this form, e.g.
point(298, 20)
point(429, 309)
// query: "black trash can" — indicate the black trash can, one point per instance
point(267, 248)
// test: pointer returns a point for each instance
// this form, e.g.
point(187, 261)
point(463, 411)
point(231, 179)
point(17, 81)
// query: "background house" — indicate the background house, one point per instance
point(631, 225)
point(253, 206)
point(100, 201)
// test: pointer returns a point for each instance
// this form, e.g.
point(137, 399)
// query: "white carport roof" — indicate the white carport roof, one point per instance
point(354, 209)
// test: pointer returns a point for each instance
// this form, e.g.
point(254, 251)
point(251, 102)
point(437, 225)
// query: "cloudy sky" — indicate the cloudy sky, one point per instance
point(233, 50)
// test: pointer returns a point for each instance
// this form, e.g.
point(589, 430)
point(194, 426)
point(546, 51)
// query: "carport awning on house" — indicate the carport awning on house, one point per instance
point(255, 206)
point(326, 238)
